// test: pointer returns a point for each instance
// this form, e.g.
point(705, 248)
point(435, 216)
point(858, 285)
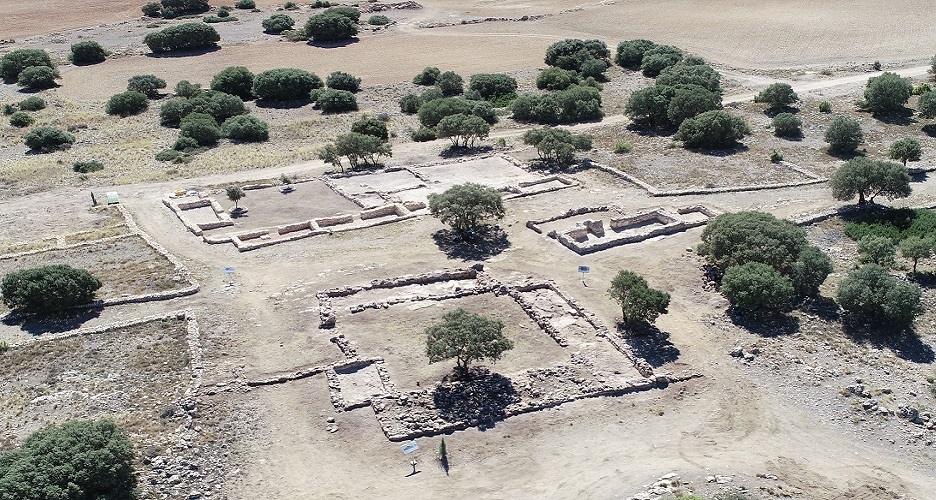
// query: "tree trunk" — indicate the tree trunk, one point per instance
point(861, 198)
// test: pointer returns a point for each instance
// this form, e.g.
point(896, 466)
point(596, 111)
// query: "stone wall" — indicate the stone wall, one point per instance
point(394, 209)
point(198, 228)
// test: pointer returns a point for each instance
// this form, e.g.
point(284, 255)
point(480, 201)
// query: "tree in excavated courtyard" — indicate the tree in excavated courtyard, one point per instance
point(639, 303)
point(466, 207)
point(866, 179)
point(48, 289)
point(466, 337)
point(235, 193)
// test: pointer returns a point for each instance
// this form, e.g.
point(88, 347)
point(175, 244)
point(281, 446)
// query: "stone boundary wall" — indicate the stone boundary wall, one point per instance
point(65, 247)
point(572, 212)
point(197, 228)
point(653, 191)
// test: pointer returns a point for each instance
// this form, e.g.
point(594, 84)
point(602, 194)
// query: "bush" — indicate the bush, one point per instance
point(896, 224)
point(574, 104)
point(245, 128)
point(423, 134)
point(825, 107)
point(219, 105)
point(87, 52)
point(450, 83)
point(756, 287)
point(462, 129)
point(337, 101)
point(878, 250)
point(152, 9)
point(810, 270)
point(887, 94)
point(9, 109)
point(245, 4)
point(432, 112)
point(585, 56)
point(86, 167)
point(234, 80)
point(277, 23)
point(38, 77)
point(185, 144)
point(327, 27)
point(371, 126)
point(927, 105)
point(224, 11)
point(776, 156)
point(686, 73)
point(922, 89)
point(146, 84)
point(187, 89)
point(201, 127)
point(410, 103)
point(874, 294)
point(622, 147)
point(906, 149)
point(777, 96)
point(340, 80)
point(630, 53)
point(80, 459)
point(222, 17)
point(733, 239)
point(492, 85)
point(639, 303)
point(428, 76)
point(689, 101)
point(48, 289)
point(650, 105)
point(126, 104)
point(350, 12)
point(658, 58)
point(34, 103)
point(21, 119)
point(431, 94)
point(378, 20)
point(556, 79)
point(556, 145)
point(466, 207)
point(176, 8)
point(713, 129)
point(168, 155)
point(13, 63)
point(46, 139)
point(787, 125)
point(285, 84)
point(844, 135)
point(187, 36)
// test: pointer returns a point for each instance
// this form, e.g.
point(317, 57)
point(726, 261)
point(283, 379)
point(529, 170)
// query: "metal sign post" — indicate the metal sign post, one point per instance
point(584, 270)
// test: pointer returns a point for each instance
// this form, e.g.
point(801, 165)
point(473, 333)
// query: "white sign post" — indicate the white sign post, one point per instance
point(584, 270)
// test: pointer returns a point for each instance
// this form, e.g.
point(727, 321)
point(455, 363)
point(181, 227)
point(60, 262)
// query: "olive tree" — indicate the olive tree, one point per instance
point(462, 129)
point(466, 207)
point(639, 303)
point(777, 96)
point(235, 193)
point(887, 93)
point(48, 289)
point(866, 178)
point(906, 149)
point(756, 287)
point(557, 145)
point(917, 247)
point(844, 135)
point(361, 150)
point(787, 125)
point(715, 129)
point(467, 337)
point(871, 292)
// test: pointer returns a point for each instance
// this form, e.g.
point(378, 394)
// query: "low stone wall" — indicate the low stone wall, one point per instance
point(701, 209)
point(572, 212)
point(298, 226)
point(333, 221)
point(198, 228)
point(384, 211)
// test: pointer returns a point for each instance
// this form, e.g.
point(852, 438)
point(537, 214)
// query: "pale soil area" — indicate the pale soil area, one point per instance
point(777, 424)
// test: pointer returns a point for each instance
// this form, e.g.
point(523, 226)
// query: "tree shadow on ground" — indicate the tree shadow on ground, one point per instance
point(930, 129)
point(38, 325)
point(644, 129)
point(183, 53)
point(773, 112)
point(649, 343)
point(282, 104)
point(902, 117)
point(919, 177)
point(335, 43)
point(554, 168)
point(905, 343)
point(924, 279)
point(765, 325)
point(823, 307)
point(459, 151)
point(845, 155)
point(721, 153)
point(481, 398)
point(483, 243)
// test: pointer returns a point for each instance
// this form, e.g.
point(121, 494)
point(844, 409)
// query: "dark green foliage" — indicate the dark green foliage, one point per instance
point(432, 112)
point(46, 139)
point(187, 36)
point(246, 128)
point(927, 105)
point(320, 4)
point(168, 155)
point(285, 84)
point(450, 83)
point(235, 193)
point(378, 20)
point(146, 84)
point(588, 57)
point(787, 125)
point(906, 149)
point(21, 119)
point(878, 250)
point(466, 207)
point(187, 89)
point(330, 27)
point(887, 93)
point(234, 80)
point(245, 4)
point(410, 103)
point(428, 76)
point(152, 9)
point(825, 107)
point(431, 94)
point(492, 85)
point(810, 270)
point(658, 58)
point(896, 224)
point(336, 101)
point(630, 53)
point(80, 459)
point(556, 79)
point(557, 145)
point(756, 287)
point(916, 248)
point(732, 239)
point(686, 73)
point(86, 167)
point(361, 150)
point(38, 77)
point(222, 17)
point(9, 109)
point(185, 144)
point(219, 105)
point(844, 135)
point(201, 127)
point(423, 134)
point(34, 103)
point(224, 12)
point(689, 101)
point(371, 126)
point(640, 304)
point(650, 105)
point(48, 289)
point(713, 130)
point(466, 337)
point(462, 129)
point(776, 156)
point(340, 80)
point(13, 63)
point(868, 178)
point(872, 293)
point(87, 52)
point(349, 12)
point(277, 23)
point(575, 104)
point(777, 96)
point(290, 6)
point(126, 104)
point(176, 8)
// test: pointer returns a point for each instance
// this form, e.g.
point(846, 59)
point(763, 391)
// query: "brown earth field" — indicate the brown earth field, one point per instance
point(235, 392)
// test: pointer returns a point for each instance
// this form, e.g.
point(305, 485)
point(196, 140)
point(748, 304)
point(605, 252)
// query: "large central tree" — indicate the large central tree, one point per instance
point(467, 337)
point(867, 178)
point(467, 206)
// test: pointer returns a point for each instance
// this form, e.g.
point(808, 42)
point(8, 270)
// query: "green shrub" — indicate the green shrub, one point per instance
point(223, 12)
point(47, 139)
point(713, 129)
point(574, 104)
point(336, 101)
point(894, 224)
point(825, 107)
point(290, 6)
point(38, 77)
point(349, 12)
point(553, 78)
point(872, 293)
point(187, 89)
point(223, 17)
point(378, 20)
point(450, 83)
point(371, 126)
point(9, 109)
point(630, 53)
point(492, 85)
point(320, 4)
point(658, 58)
point(146, 84)
point(152, 9)
point(844, 135)
point(34, 103)
point(588, 57)
point(622, 147)
point(219, 105)
point(556, 145)
point(922, 89)
point(168, 155)
point(246, 128)
point(410, 103)
point(733, 239)
point(330, 27)
point(187, 36)
point(87, 52)
point(277, 23)
point(48, 289)
point(887, 93)
point(776, 156)
point(245, 4)
point(777, 96)
point(687, 73)
point(340, 80)
point(878, 250)
point(126, 104)
point(86, 167)
point(21, 119)
point(428, 76)
point(173, 111)
point(432, 112)
point(201, 127)
point(787, 125)
point(234, 80)
point(285, 84)
point(757, 287)
point(185, 144)
point(423, 134)
point(295, 35)
point(13, 63)
point(431, 94)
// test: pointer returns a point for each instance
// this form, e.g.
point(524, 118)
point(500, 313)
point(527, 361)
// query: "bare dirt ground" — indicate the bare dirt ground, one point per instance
point(780, 422)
